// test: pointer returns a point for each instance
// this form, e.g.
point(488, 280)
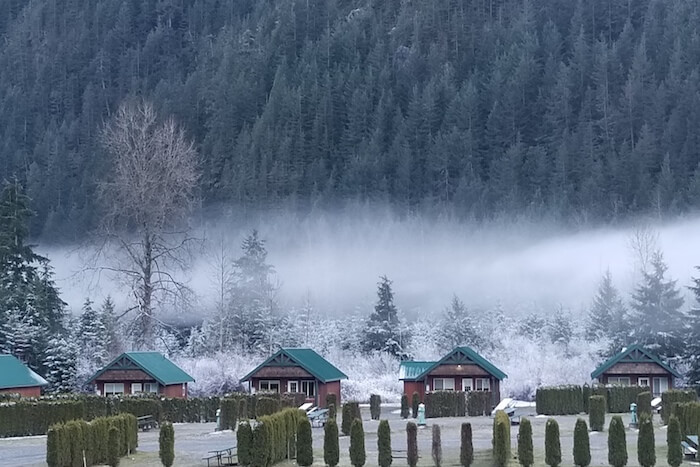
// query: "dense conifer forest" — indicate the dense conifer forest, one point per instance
point(583, 111)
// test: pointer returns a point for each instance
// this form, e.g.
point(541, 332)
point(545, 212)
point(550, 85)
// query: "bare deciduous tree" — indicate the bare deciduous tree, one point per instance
point(147, 196)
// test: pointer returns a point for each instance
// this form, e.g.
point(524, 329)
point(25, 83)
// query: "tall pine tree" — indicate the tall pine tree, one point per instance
point(382, 331)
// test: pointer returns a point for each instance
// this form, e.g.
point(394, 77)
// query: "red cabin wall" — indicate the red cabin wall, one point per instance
point(33, 391)
point(329, 388)
point(409, 387)
point(176, 391)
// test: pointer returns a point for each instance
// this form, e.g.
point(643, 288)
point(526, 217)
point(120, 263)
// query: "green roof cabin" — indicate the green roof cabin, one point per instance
point(297, 371)
point(18, 378)
point(460, 370)
point(141, 372)
point(636, 366)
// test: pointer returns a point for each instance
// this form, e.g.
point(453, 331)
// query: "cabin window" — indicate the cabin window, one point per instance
point(292, 386)
point(443, 384)
point(660, 386)
point(619, 380)
point(269, 386)
point(467, 384)
point(482, 384)
point(136, 388)
point(643, 381)
point(150, 387)
point(112, 389)
point(309, 388)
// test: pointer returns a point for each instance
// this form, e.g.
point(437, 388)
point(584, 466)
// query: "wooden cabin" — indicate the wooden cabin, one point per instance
point(462, 369)
point(18, 378)
point(139, 373)
point(297, 371)
point(636, 366)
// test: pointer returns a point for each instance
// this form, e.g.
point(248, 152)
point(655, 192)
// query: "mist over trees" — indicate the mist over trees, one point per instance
point(583, 111)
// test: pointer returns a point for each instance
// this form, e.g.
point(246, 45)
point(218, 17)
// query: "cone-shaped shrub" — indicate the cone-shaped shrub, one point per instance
point(375, 406)
point(347, 418)
point(331, 399)
point(412, 444)
point(596, 413)
point(404, 406)
point(582, 444)
point(113, 447)
point(245, 443)
point(357, 444)
point(673, 441)
point(260, 447)
point(644, 404)
point(552, 446)
point(305, 450)
point(415, 400)
point(617, 442)
point(384, 443)
point(501, 438)
point(331, 448)
point(53, 446)
point(437, 446)
point(646, 453)
point(466, 448)
point(242, 409)
point(166, 444)
point(526, 456)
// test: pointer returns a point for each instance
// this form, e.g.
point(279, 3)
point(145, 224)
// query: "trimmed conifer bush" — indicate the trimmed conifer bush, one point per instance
point(617, 442)
point(166, 444)
point(347, 419)
point(243, 409)
point(384, 444)
point(357, 444)
point(53, 447)
point(229, 413)
point(244, 439)
point(113, 447)
point(404, 406)
point(478, 403)
point(332, 404)
point(412, 444)
point(596, 414)
point(436, 446)
point(501, 438)
point(331, 447)
point(526, 455)
point(646, 453)
point(673, 441)
point(466, 448)
point(670, 398)
point(582, 444)
point(644, 404)
point(552, 445)
point(305, 450)
point(260, 447)
point(375, 406)
point(586, 393)
point(415, 401)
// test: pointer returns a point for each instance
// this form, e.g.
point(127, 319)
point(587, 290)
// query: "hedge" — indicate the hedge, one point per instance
point(559, 400)
point(244, 442)
point(596, 416)
point(445, 404)
point(501, 438)
point(479, 403)
point(274, 437)
point(66, 442)
point(672, 397)
point(644, 404)
point(619, 398)
point(688, 414)
point(375, 406)
point(229, 413)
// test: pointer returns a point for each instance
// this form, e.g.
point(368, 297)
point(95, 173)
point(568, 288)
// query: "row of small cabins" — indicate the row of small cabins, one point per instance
point(305, 371)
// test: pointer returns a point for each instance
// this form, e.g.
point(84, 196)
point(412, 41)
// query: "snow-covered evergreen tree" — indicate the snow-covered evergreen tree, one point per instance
point(560, 329)
point(534, 326)
point(608, 316)
point(656, 317)
point(61, 365)
point(113, 340)
point(458, 327)
point(692, 341)
point(92, 337)
point(382, 331)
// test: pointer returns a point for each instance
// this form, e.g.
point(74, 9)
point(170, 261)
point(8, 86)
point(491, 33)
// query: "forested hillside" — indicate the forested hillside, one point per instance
point(576, 110)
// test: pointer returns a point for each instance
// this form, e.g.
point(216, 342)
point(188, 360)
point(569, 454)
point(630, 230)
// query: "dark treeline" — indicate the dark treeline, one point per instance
point(574, 110)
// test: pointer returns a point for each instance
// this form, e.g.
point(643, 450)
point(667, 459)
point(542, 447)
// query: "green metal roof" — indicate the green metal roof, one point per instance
point(457, 356)
point(307, 359)
point(409, 371)
point(633, 354)
point(15, 374)
point(154, 364)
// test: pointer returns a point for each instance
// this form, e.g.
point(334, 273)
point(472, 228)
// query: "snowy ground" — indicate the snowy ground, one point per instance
point(192, 441)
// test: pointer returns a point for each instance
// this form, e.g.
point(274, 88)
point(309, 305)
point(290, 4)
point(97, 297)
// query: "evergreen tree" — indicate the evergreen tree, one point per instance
point(437, 446)
point(382, 330)
point(166, 444)
point(305, 452)
point(582, 444)
point(61, 365)
point(357, 444)
point(384, 444)
point(607, 316)
point(646, 452)
point(692, 340)
point(526, 455)
point(458, 327)
point(617, 443)
point(552, 446)
point(412, 444)
point(673, 442)
point(93, 337)
point(560, 330)
point(656, 303)
point(331, 449)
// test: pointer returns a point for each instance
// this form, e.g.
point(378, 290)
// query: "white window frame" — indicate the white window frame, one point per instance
point(112, 389)
point(620, 380)
point(136, 388)
point(657, 382)
point(268, 383)
point(152, 388)
point(467, 384)
point(443, 381)
point(293, 386)
point(482, 384)
point(643, 381)
point(308, 387)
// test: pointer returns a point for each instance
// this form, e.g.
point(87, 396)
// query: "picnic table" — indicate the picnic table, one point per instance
point(318, 417)
point(146, 422)
point(222, 457)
